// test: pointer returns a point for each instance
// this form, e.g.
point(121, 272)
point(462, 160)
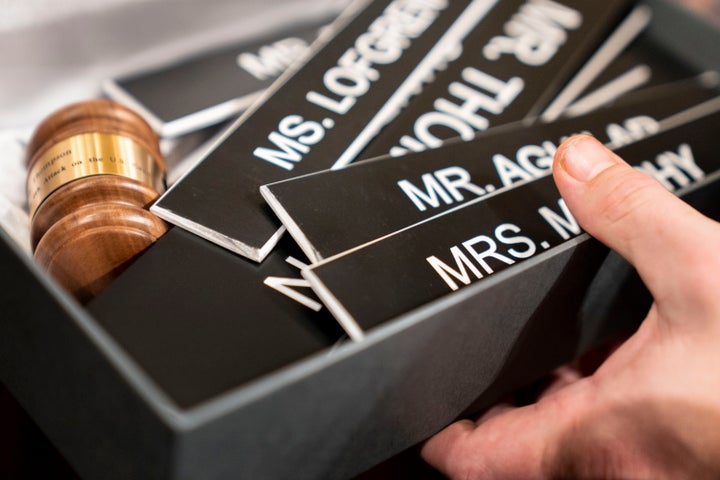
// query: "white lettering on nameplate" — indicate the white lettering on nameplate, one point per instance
point(272, 60)
point(533, 36)
point(446, 184)
point(563, 223)
point(535, 33)
point(351, 78)
point(452, 184)
point(285, 286)
point(472, 256)
point(674, 170)
point(632, 130)
point(473, 98)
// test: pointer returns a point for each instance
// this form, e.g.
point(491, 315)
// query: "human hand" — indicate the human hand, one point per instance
point(652, 409)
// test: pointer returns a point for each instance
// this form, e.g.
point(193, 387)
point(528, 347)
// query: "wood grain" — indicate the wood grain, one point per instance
point(88, 231)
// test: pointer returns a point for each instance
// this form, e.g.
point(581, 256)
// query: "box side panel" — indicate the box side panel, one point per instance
point(406, 384)
point(68, 386)
point(414, 376)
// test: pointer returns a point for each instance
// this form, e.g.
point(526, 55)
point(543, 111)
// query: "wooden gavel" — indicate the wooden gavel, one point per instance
point(93, 169)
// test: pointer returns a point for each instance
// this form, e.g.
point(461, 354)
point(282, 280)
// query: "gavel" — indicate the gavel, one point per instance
point(94, 167)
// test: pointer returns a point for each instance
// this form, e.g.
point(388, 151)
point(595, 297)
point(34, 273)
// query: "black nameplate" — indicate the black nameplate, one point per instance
point(332, 211)
point(327, 112)
point(369, 285)
point(209, 88)
point(510, 70)
point(377, 57)
point(644, 63)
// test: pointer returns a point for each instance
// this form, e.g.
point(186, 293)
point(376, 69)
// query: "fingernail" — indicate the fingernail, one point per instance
point(584, 157)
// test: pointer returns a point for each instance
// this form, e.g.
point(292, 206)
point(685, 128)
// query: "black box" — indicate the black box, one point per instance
point(334, 413)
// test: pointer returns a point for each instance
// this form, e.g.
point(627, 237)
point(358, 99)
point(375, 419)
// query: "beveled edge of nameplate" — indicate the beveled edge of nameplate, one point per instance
point(357, 334)
point(235, 246)
point(254, 253)
point(678, 119)
point(455, 34)
point(702, 183)
point(292, 227)
point(343, 317)
point(182, 125)
point(629, 81)
point(243, 106)
point(208, 116)
point(697, 112)
point(633, 24)
point(348, 322)
point(623, 84)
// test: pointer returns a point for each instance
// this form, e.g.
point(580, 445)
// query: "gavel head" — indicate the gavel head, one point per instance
point(93, 169)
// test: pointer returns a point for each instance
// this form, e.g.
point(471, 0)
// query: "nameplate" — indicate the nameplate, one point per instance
point(373, 283)
point(512, 70)
point(335, 210)
point(211, 87)
point(356, 83)
point(366, 66)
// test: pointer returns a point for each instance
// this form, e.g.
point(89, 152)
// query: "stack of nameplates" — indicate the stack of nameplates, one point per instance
point(376, 246)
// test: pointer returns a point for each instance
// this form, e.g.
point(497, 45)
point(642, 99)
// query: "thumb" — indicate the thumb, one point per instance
point(667, 241)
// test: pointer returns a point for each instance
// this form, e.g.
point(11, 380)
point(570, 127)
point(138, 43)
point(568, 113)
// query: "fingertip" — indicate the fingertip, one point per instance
point(583, 157)
point(565, 145)
point(517, 443)
point(440, 450)
point(448, 436)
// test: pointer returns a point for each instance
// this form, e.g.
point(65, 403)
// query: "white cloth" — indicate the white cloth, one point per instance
point(58, 52)
point(69, 47)
point(13, 199)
